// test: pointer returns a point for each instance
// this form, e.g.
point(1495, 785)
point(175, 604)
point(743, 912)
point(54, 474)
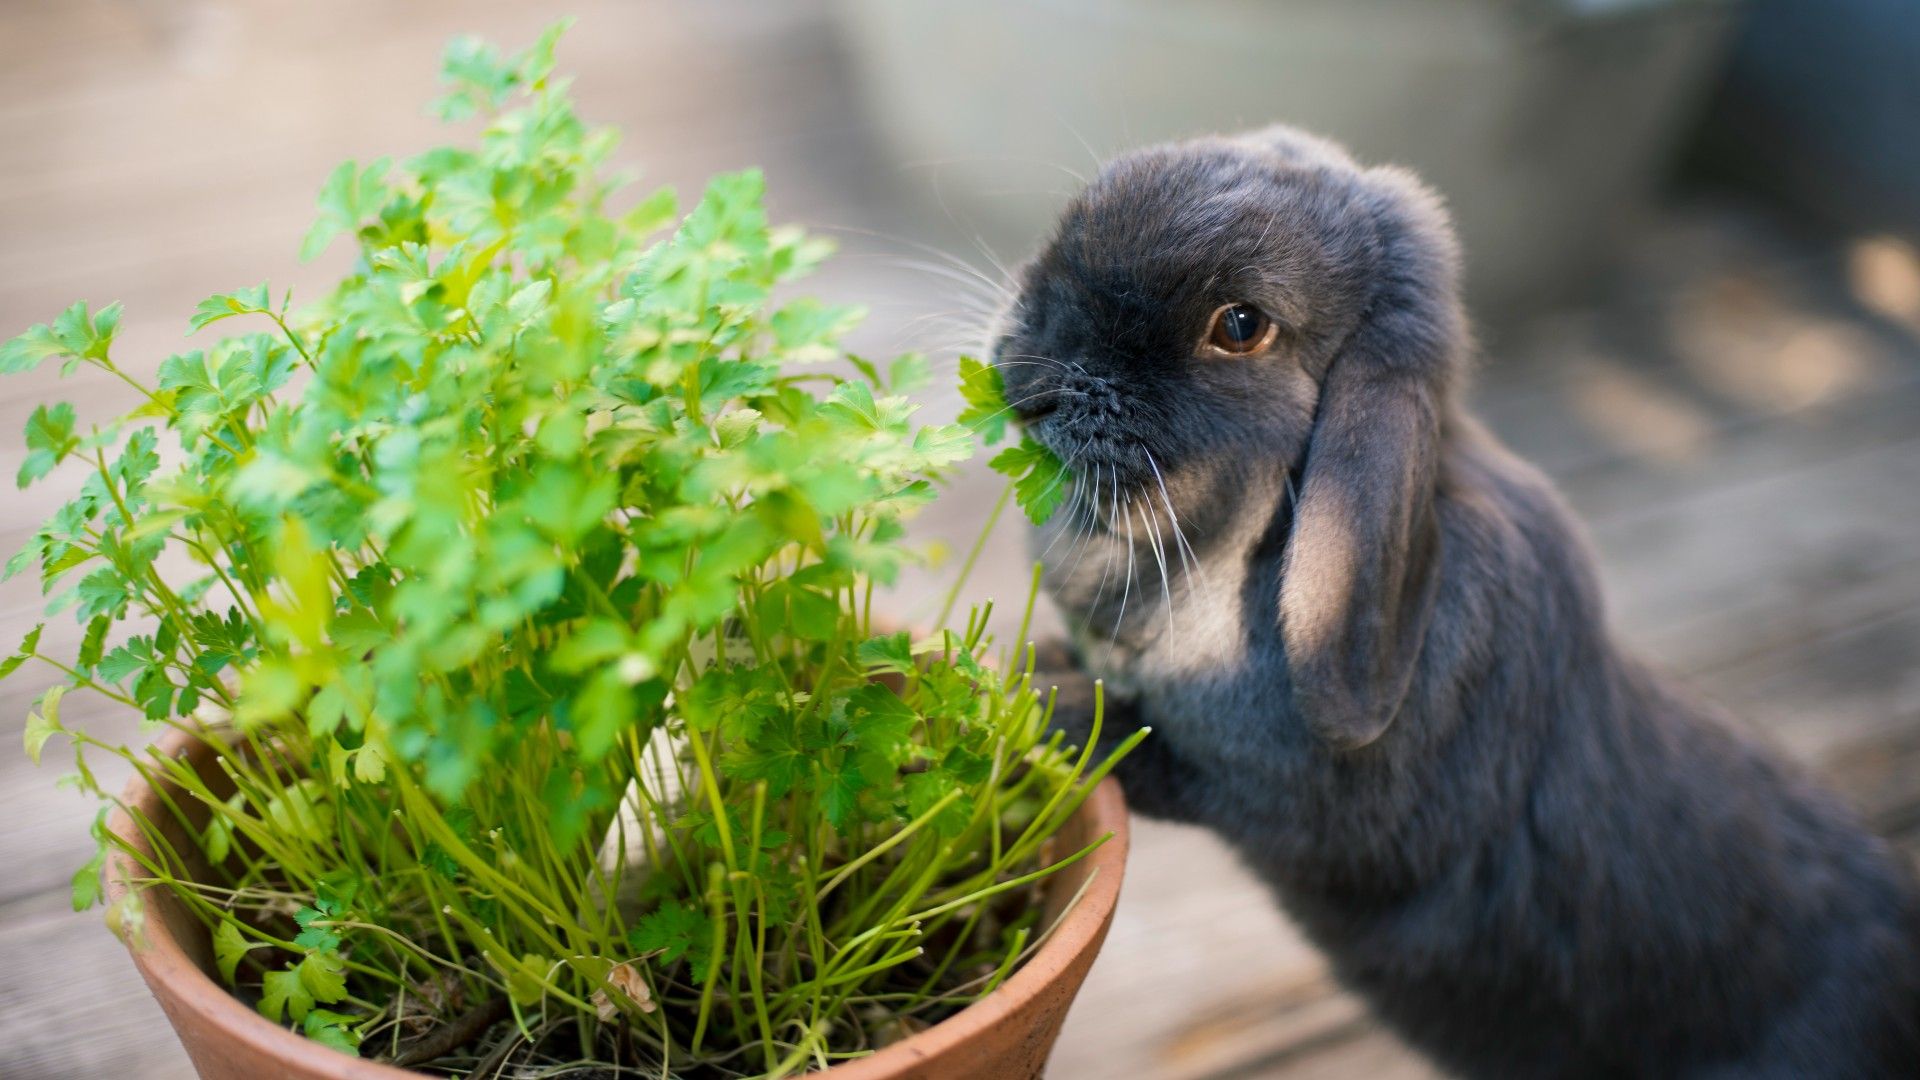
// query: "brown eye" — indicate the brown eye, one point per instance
point(1239, 330)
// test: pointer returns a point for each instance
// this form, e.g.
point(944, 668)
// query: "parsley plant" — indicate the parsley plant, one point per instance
point(526, 612)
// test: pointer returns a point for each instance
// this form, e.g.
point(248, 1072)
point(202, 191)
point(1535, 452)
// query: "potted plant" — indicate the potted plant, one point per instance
point(505, 618)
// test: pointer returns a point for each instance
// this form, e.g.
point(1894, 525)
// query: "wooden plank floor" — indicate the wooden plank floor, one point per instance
point(1737, 412)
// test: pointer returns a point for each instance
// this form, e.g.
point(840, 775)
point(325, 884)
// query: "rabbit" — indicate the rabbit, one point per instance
point(1370, 646)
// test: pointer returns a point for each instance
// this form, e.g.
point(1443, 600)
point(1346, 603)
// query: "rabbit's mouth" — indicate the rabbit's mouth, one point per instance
point(1090, 449)
point(1093, 425)
point(1038, 406)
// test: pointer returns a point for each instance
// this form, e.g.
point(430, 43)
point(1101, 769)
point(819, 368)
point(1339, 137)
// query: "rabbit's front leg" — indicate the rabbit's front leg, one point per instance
point(1157, 781)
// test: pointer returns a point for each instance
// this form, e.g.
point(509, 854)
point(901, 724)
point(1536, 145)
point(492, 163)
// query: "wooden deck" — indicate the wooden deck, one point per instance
point(1736, 412)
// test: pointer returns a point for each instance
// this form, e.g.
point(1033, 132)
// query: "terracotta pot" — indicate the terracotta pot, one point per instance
point(1007, 1035)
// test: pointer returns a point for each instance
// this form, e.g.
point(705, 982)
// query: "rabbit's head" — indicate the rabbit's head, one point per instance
point(1259, 311)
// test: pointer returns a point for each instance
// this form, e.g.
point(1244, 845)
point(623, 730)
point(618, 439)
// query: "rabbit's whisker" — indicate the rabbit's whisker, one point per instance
point(979, 285)
point(1007, 284)
point(1173, 519)
point(1073, 514)
point(1107, 560)
point(1025, 363)
point(1088, 511)
point(1004, 288)
point(992, 159)
point(1009, 358)
point(1126, 591)
point(1066, 469)
point(1159, 557)
point(1030, 397)
point(968, 320)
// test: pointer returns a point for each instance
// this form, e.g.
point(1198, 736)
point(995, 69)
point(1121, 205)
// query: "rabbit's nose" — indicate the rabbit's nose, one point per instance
point(1038, 403)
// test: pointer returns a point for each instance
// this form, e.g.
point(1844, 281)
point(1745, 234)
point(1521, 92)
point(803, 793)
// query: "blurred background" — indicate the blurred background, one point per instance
point(1690, 228)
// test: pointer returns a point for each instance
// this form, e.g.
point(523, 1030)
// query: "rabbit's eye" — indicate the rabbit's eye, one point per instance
point(1239, 330)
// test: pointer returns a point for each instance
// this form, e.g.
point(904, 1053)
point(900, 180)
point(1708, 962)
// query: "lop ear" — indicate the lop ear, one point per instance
point(1360, 575)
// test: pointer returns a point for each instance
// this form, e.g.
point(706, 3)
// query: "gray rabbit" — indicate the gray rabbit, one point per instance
point(1371, 647)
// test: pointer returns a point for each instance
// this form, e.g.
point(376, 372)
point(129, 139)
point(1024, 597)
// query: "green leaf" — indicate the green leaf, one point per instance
point(333, 1029)
point(909, 372)
point(324, 974)
point(94, 642)
point(226, 305)
point(270, 482)
point(673, 930)
point(651, 214)
point(84, 335)
point(137, 461)
point(1040, 479)
point(526, 979)
point(724, 379)
point(808, 331)
point(481, 80)
point(134, 655)
point(21, 655)
point(891, 652)
point(840, 797)
point(229, 946)
point(87, 890)
point(216, 840)
point(985, 393)
point(211, 389)
point(412, 265)
point(314, 931)
point(43, 721)
point(35, 548)
point(878, 720)
point(103, 592)
point(29, 350)
point(319, 977)
point(937, 447)
point(155, 692)
point(601, 712)
point(351, 195)
point(815, 616)
point(369, 764)
point(335, 891)
point(326, 709)
point(282, 993)
point(478, 76)
point(50, 439)
point(535, 63)
point(566, 505)
point(273, 689)
point(592, 644)
point(774, 758)
point(736, 427)
point(302, 811)
point(87, 886)
point(526, 303)
point(74, 333)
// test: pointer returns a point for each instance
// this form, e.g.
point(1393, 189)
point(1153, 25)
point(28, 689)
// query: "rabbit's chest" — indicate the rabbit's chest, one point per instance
point(1196, 648)
point(1180, 630)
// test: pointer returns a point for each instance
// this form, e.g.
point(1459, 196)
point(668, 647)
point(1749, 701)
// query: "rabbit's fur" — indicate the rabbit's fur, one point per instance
point(1385, 677)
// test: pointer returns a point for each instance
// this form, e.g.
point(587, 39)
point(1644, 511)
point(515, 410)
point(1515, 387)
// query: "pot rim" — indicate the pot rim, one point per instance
point(164, 963)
